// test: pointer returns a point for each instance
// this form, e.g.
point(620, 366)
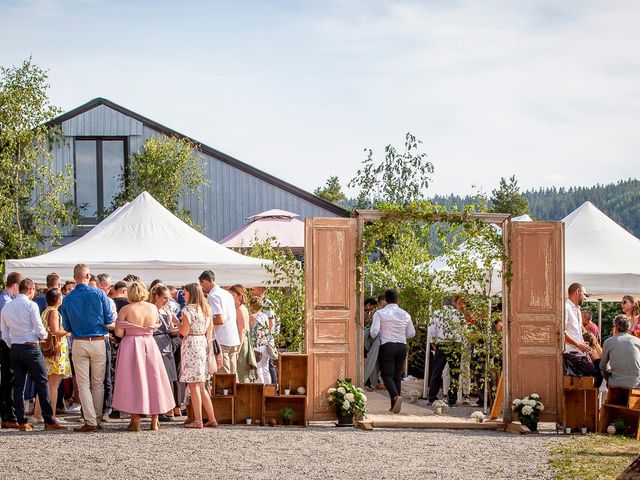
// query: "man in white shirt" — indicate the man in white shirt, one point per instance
point(223, 307)
point(22, 330)
point(7, 410)
point(445, 329)
point(573, 341)
point(394, 326)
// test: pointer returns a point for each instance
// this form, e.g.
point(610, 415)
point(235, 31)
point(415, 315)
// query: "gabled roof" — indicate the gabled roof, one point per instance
point(223, 157)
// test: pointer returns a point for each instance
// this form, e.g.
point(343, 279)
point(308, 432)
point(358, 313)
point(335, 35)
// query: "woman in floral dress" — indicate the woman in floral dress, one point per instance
point(196, 328)
point(58, 366)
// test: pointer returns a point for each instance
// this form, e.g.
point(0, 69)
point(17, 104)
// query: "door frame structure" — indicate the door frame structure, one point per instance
point(502, 219)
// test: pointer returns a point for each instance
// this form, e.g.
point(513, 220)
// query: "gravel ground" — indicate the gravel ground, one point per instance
point(264, 452)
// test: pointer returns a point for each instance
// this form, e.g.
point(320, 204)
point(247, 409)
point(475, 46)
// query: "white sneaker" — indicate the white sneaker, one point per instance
point(61, 421)
point(36, 421)
point(73, 408)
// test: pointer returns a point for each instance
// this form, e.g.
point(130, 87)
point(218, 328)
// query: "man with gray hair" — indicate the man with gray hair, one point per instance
point(620, 364)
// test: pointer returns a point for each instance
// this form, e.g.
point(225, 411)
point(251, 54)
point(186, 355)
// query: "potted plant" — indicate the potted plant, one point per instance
point(620, 425)
point(287, 414)
point(478, 416)
point(248, 420)
point(348, 400)
point(439, 406)
point(528, 410)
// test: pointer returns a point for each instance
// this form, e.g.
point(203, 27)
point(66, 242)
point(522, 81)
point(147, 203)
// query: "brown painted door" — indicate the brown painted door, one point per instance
point(534, 333)
point(330, 310)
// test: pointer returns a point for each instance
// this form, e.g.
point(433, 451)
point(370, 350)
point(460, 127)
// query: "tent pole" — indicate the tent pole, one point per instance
point(485, 408)
point(425, 383)
point(600, 317)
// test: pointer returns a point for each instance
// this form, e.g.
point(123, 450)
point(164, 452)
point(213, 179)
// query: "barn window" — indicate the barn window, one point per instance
point(99, 162)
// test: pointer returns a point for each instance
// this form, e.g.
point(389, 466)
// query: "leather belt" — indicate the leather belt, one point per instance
point(90, 339)
point(28, 344)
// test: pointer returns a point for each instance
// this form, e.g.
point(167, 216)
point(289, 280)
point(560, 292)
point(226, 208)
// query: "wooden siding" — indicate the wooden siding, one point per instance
point(223, 207)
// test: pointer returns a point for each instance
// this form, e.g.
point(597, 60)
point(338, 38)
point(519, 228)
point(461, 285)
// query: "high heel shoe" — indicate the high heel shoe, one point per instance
point(154, 425)
point(211, 423)
point(134, 427)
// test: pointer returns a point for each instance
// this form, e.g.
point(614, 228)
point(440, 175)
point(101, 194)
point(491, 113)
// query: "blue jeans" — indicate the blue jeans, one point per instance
point(28, 359)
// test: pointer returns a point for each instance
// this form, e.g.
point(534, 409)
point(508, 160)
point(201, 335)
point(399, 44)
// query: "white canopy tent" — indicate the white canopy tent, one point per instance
point(146, 239)
point(600, 254)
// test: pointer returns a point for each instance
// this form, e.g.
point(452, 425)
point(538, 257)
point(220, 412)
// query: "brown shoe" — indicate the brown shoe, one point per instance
point(397, 404)
point(54, 426)
point(86, 428)
point(10, 425)
point(25, 427)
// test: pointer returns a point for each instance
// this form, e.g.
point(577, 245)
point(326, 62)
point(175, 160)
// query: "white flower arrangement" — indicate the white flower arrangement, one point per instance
point(478, 416)
point(347, 398)
point(528, 409)
point(440, 404)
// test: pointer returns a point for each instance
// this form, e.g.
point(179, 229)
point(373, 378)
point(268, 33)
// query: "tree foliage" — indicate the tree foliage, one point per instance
point(35, 198)
point(286, 291)
point(508, 199)
point(332, 191)
point(166, 167)
point(400, 178)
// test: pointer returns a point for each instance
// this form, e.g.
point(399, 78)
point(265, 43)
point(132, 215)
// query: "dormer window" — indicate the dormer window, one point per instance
point(99, 161)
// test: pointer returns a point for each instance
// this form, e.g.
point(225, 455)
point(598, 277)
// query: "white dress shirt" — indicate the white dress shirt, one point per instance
point(393, 324)
point(222, 302)
point(572, 325)
point(20, 322)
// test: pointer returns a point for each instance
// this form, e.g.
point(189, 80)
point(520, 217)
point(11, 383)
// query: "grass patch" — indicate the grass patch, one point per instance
point(593, 457)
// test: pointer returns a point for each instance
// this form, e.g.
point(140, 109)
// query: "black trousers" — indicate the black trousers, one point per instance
point(273, 371)
point(108, 379)
point(7, 411)
point(391, 359)
point(28, 359)
point(441, 357)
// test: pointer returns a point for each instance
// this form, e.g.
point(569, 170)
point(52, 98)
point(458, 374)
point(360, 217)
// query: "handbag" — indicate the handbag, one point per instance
point(51, 346)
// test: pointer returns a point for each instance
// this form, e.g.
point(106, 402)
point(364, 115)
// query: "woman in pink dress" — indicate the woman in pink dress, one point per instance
point(141, 382)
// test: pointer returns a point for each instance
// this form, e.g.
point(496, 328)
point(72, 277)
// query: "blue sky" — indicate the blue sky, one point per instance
point(548, 90)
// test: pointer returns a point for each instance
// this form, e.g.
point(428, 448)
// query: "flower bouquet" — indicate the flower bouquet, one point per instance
point(439, 406)
point(478, 416)
point(348, 399)
point(528, 410)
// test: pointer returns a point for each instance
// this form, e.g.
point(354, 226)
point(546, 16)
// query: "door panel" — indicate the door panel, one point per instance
point(536, 314)
point(330, 328)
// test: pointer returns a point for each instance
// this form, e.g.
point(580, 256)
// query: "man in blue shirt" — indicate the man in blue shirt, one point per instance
point(7, 410)
point(53, 281)
point(86, 313)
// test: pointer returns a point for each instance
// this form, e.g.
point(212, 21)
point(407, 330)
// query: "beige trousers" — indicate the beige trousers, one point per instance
point(90, 363)
point(229, 358)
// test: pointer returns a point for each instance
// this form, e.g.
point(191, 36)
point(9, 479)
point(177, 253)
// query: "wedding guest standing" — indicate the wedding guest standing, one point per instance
point(394, 326)
point(196, 328)
point(167, 327)
point(86, 314)
point(261, 333)
point(246, 359)
point(22, 330)
point(7, 410)
point(631, 310)
point(58, 365)
point(142, 385)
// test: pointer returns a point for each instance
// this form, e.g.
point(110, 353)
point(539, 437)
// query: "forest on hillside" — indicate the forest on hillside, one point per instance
point(620, 201)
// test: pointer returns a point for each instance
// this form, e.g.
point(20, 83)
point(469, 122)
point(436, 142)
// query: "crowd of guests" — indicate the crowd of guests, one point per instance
point(617, 360)
point(126, 347)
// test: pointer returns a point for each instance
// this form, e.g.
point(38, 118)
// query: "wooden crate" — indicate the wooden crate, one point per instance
point(223, 408)
point(270, 390)
point(273, 406)
point(292, 371)
point(580, 409)
point(222, 381)
point(622, 403)
point(579, 382)
point(249, 402)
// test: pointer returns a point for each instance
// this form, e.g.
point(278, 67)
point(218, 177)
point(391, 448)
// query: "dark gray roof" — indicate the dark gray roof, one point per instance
point(223, 157)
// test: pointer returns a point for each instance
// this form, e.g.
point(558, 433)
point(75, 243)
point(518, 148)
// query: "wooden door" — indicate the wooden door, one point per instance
point(330, 308)
point(534, 334)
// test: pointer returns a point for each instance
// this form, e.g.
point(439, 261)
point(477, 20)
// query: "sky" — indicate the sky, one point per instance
point(548, 91)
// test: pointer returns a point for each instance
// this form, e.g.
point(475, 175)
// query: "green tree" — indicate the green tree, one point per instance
point(35, 198)
point(167, 168)
point(332, 191)
point(286, 291)
point(400, 178)
point(508, 199)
